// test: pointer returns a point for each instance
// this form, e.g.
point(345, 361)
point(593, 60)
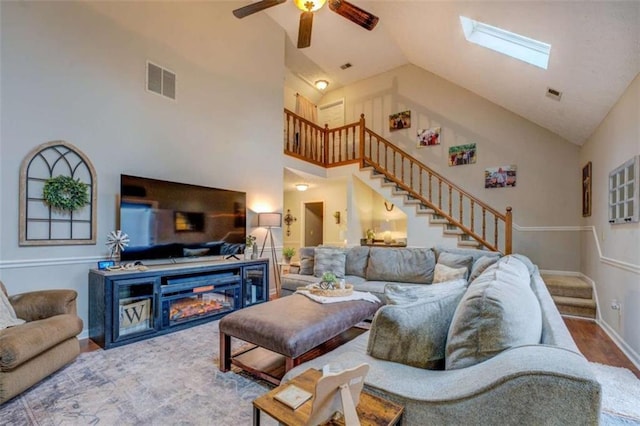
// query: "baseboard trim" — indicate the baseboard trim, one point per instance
point(628, 351)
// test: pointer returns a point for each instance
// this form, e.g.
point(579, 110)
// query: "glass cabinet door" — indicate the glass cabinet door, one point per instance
point(256, 284)
point(134, 307)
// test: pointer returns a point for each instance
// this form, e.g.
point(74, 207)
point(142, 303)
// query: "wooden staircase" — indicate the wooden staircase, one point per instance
point(421, 209)
point(573, 296)
point(462, 215)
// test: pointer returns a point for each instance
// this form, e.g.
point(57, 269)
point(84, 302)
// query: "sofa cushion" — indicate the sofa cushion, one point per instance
point(402, 294)
point(307, 255)
point(409, 265)
point(444, 273)
point(20, 344)
point(329, 259)
point(414, 334)
point(357, 259)
point(498, 311)
point(475, 253)
point(480, 265)
point(455, 260)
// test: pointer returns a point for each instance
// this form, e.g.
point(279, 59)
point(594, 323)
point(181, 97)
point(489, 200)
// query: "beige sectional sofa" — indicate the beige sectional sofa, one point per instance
point(491, 351)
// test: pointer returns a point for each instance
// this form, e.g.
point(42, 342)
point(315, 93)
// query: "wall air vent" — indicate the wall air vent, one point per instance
point(554, 94)
point(345, 66)
point(161, 81)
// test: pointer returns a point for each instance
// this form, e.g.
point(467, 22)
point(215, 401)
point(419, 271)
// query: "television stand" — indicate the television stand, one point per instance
point(126, 306)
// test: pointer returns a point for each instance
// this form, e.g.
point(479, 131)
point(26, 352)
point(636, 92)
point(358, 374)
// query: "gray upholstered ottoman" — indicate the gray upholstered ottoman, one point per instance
point(289, 326)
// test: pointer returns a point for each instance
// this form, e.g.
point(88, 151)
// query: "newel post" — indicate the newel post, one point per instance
point(361, 140)
point(508, 232)
point(325, 138)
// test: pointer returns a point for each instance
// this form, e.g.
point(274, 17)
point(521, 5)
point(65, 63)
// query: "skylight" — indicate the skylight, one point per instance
point(520, 47)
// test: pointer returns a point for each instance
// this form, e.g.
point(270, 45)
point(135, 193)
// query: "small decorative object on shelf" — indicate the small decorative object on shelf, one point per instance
point(65, 193)
point(371, 235)
point(251, 248)
point(288, 253)
point(116, 242)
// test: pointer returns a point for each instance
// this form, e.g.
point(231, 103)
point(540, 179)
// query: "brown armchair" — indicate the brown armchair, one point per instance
point(45, 343)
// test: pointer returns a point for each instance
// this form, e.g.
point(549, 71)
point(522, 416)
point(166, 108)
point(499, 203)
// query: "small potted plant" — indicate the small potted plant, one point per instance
point(288, 253)
point(328, 281)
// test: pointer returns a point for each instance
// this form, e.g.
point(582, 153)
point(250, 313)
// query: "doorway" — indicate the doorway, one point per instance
point(313, 223)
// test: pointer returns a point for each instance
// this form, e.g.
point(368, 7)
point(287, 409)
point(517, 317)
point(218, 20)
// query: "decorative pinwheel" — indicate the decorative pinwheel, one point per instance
point(116, 242)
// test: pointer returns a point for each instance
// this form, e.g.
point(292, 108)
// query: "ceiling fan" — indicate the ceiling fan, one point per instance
point(343, 8)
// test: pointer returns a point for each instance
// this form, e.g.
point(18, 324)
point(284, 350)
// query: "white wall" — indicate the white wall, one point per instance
point(76, 71)
point(546, 199)
point(611, 253)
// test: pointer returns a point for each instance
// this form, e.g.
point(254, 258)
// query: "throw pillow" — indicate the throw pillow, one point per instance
point(329, 259)
point(357, 259)
point(445, 273)
point(307, 255)
point(407, 265)
point(414, 334)
point(498, 311)
point(480, 265)
point(402, 294)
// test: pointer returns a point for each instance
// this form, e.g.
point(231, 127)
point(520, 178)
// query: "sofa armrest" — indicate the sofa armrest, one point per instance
point(533, 382)
point(37, 305)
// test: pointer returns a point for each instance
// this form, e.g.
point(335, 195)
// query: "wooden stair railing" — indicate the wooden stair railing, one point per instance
point(355, 143)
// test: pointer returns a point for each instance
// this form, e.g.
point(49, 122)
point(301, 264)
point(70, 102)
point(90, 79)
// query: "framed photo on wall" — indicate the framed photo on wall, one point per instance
point(400, 120)
point(462, 154)
point(586, 190)
point(428, 137)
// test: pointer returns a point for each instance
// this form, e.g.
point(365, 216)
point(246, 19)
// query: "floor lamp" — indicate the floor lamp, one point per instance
point(271, 220)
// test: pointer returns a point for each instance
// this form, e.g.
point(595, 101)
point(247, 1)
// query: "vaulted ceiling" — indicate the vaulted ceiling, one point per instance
point(595, 52)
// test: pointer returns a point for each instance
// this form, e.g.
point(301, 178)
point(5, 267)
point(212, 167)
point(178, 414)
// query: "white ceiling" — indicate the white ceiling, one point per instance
point(595, 52)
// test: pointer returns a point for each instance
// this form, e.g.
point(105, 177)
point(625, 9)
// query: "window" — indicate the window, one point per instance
point(623, 192)
point(511, 44)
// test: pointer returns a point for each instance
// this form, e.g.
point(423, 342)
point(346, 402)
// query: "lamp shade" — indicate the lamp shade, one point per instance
point(270, 220)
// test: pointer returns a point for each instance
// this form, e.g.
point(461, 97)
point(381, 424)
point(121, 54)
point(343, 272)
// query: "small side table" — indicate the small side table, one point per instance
point(372, 410)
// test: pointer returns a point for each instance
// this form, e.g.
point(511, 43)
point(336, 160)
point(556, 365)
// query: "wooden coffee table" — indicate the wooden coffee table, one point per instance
point(372, 410)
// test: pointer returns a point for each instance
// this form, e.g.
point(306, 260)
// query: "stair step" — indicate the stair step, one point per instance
point(411, 200)
point(439, 221)
point(422, 209)
point(453, 231)
point(568, 286)
point(469, 243)
point(575, 306)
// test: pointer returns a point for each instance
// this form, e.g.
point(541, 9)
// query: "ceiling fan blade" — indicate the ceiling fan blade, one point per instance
point(353, 13)
point(304, 30)
point(256, 7)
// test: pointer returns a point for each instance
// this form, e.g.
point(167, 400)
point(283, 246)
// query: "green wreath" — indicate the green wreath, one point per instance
point(65, 193)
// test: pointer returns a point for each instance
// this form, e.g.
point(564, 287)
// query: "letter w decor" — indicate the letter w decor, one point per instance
point(134, 313)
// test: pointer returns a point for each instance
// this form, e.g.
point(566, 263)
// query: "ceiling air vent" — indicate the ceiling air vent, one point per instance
point(554, 94)
point(161, 81)
point(345, 66)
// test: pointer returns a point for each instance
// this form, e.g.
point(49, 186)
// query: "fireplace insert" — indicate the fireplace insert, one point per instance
point(189, 299)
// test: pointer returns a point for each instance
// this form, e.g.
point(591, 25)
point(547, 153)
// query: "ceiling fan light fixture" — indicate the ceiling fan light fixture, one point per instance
point(302, 186)
point(309, 5)
point(321, 84)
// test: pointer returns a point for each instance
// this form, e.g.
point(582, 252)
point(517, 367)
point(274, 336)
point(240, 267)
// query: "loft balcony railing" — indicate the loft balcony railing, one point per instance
point(354, 143)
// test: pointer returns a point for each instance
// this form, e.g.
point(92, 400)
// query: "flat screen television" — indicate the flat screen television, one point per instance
point(171, 220)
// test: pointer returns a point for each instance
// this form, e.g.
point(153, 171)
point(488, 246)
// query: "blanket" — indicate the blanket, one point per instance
point(8, 316)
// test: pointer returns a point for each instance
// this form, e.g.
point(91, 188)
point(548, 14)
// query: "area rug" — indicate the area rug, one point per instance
point(174, 380)
point(620, 395)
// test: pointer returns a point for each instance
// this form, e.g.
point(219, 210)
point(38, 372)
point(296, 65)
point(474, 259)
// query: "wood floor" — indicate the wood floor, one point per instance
point(592, 341)
point(596, 345)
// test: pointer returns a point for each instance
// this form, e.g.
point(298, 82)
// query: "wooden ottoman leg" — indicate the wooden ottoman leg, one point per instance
point(289, 363)
point(225, 352)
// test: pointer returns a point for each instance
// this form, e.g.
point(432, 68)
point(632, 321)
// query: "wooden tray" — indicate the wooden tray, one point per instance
point(347, 291)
